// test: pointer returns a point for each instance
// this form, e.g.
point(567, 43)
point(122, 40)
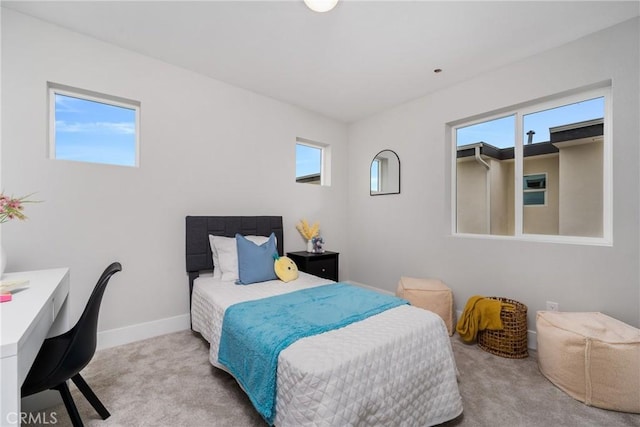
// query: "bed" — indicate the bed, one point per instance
point(393, 368)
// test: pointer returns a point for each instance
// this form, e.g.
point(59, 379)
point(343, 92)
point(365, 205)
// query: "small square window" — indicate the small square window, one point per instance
point(308, 164)
point(534, 189)
point(312, 162)
point(91, 127)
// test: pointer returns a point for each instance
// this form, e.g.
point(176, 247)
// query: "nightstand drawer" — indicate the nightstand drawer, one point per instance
point(323, 267)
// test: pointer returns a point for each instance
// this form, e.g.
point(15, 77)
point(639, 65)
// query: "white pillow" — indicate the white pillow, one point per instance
point(225, 255)
point(217, 242)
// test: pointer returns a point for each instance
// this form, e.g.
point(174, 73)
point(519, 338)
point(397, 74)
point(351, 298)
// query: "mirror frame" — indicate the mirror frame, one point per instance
point(372, 193)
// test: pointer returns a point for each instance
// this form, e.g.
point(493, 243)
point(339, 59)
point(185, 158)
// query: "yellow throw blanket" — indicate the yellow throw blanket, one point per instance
point(479, 314)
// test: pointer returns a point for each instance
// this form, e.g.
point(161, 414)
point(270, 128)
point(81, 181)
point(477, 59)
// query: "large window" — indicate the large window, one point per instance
point(537, 172)
point(90, 127)
point(312, 162)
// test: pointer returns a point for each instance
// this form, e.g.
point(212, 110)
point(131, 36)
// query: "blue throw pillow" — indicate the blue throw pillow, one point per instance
point(255, 263)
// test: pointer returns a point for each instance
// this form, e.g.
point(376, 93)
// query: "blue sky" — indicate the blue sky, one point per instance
point(102, 133)
point(94, 132)
point(308, 160)
point(374, 175)
point(500, 132)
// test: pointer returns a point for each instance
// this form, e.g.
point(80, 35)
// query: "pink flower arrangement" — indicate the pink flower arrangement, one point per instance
point(12, 208)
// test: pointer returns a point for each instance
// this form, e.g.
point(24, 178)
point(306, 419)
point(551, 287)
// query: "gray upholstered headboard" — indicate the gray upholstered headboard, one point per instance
point(198, 229)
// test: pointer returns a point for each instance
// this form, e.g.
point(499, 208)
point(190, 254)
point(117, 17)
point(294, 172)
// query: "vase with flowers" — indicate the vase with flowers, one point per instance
point(308, 232)
point(10, 208)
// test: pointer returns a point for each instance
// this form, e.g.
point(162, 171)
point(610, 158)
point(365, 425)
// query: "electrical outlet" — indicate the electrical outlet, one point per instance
point(553, 306)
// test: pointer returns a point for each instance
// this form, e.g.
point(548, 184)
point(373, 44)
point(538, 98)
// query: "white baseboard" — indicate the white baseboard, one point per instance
point(113, 338)
point(142, 331)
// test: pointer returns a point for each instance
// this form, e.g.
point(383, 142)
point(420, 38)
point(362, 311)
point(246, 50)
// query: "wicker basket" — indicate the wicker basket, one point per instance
point(511, 341)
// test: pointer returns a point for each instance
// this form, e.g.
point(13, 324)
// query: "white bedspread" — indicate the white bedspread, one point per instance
point(393, 369)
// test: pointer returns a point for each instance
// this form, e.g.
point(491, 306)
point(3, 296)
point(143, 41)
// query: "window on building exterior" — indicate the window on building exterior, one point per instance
point(537, 171)
point(534, 189)
point(312, 161)
point(90, 127)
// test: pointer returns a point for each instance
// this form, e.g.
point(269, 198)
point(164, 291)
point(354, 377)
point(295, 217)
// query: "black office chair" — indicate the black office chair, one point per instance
point(63, 357)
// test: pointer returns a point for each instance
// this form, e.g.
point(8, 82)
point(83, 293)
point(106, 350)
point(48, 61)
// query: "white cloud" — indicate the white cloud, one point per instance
point(126, 128)
point(67, 104)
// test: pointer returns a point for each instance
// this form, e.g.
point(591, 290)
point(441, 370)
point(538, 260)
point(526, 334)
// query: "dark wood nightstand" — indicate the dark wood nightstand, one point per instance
point(324, 265)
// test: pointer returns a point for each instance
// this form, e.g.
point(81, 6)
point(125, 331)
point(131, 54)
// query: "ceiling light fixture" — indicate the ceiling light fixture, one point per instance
point(321, 5)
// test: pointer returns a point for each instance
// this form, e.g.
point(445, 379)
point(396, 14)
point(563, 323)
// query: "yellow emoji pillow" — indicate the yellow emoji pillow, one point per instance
point(285, 268)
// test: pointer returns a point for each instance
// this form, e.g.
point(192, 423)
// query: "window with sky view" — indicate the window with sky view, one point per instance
point(538, 170)
point(308, 164)
point(90, 129)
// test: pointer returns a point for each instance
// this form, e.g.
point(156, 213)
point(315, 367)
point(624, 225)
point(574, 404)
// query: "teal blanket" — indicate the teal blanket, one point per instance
point(255, 332)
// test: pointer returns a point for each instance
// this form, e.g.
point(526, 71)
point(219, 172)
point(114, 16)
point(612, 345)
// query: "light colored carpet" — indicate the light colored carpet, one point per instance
point(168, 381)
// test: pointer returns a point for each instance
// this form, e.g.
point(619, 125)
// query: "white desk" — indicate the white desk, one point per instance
point(36, 312)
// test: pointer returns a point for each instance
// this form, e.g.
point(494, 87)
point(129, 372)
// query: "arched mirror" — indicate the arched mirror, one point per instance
point(385, 173)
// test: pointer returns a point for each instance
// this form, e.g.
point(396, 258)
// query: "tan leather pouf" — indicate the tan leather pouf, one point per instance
point(592, 357)
point(430, 294)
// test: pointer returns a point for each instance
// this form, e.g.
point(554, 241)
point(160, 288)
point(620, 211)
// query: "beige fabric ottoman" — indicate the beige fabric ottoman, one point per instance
point(592, 357)
point(430, 294)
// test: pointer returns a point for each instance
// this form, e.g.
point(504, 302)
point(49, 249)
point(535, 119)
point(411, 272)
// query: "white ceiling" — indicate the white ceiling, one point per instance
point(358, 59)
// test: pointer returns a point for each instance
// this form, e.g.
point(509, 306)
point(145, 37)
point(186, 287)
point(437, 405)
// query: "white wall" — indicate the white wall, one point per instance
point(410, 233)
point(207, 148)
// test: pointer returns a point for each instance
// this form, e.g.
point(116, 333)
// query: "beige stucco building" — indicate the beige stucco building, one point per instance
point(562, 185)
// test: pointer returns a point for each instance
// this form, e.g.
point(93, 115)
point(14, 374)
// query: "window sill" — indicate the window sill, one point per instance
point(539, 238)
